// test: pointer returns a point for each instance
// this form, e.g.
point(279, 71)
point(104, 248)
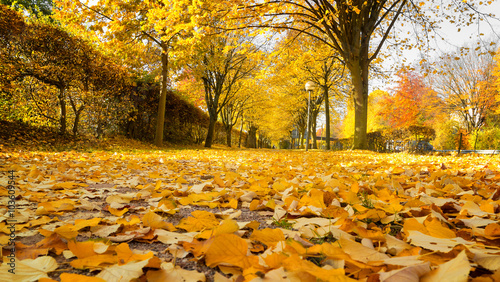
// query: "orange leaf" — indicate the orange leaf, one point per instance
point(67, 231)
point(82, 249)
point(155, 221)
point(436, 229)
point(125, 255)
point(268, 236)
point(230, 249)
point(94, 261)
point(197, 247)
point(492, 229)
point(72, 277)
point(117, 212)
point(199, 220)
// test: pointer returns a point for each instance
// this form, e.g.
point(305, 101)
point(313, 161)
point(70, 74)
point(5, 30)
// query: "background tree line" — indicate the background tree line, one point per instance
point(215, 56)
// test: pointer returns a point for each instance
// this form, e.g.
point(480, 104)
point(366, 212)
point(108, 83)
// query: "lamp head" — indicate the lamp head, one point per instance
point(310, 86)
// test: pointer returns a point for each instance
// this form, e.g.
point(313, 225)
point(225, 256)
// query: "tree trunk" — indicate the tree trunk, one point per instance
point(211, 130)
point(359, 78)
point(160, 121)
point(301, 133)
point(78, 114)
point(314, 126)
point(327, 118)
point(252, 137)
point(228, 136)
point(62, 117)
point(241, 130)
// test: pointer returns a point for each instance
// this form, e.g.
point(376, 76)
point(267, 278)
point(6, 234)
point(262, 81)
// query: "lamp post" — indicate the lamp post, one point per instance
point(309, 88)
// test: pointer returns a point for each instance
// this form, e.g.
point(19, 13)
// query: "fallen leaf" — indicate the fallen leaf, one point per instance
point(28, 269)
point(199, 220)
point(169, 272)
point(456, 269)
point(72, 277)
point(268, 236)
point(408, 274)
point(230, 249)
point(123, 273)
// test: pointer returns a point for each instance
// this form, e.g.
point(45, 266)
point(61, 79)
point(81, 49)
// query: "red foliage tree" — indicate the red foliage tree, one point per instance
point(413, 103)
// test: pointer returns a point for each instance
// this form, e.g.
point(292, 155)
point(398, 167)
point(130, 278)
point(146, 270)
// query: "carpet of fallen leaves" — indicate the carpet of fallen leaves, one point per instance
point(250, 215)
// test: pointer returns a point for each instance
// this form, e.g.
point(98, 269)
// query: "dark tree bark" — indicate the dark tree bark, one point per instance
point(211, 131)
point(327, 117)
point(252, 137)
point(160, 121)
point(62, 105)
point(241, 131)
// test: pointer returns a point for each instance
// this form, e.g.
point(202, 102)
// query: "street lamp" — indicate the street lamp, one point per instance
point(309, 88)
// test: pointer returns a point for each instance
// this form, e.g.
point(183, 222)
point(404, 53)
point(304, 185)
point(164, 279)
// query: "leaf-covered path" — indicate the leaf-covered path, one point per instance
point(249, 215)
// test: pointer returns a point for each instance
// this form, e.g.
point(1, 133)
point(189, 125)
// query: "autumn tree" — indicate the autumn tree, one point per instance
point(233, 112)
point(221, 63)
point(466, 83)
point(142, 33)
point(99, 89)
point(413, 102)
point(326, 70)
point(294, 61)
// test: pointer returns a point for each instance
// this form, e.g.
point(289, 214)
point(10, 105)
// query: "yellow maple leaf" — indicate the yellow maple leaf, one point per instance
point(227, 226)
point(436, 229)
point(199, 220)
point(125, 254)
point(154, 220)
point(82, 249)
point(67, 231)
point(229, 249)
point(117, 212)
point(268, 236)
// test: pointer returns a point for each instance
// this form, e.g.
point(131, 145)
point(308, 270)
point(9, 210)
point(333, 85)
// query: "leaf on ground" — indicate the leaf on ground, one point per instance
point(456, 269)
point(28, 269)
point(94, 261)
point(168, 237)
point(82, 249)
point(199, 220)
point(229, 249)
point(155, 221)
point(359, 252)
point(408, 274)
point(227, 226)
point(123, 273)
point(488, 261)
point(125, 254)
point(436, 244)
point(268, 236)
point(72, 277)
point(169, 272)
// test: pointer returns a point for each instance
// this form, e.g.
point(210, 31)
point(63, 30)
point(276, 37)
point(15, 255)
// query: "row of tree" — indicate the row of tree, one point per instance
point(215, 53)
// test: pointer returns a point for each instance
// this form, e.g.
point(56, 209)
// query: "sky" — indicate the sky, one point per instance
point(452, 39)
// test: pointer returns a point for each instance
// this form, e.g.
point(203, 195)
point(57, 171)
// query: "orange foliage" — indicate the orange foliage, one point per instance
point(413, 103)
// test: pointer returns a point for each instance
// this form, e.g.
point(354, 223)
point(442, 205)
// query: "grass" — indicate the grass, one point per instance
point(283, 223)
